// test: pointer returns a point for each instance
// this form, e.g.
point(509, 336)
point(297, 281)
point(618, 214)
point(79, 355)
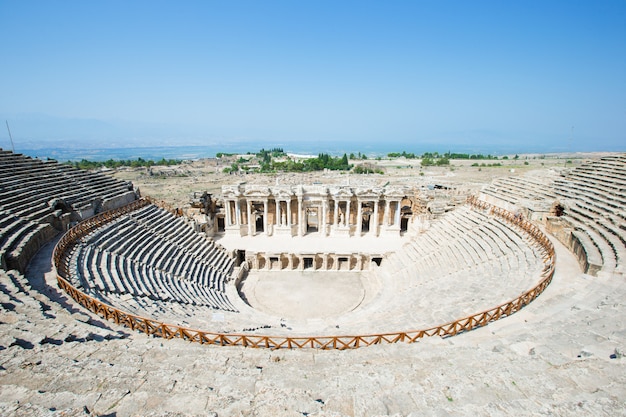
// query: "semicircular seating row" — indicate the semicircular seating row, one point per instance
point(467, 261)
point(593, 197)
point(150, 253)
point(28, 189)
point(516, 191)
point(594, 200)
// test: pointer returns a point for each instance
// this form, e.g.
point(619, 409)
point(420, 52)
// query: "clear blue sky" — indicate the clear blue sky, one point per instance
point(516, 73)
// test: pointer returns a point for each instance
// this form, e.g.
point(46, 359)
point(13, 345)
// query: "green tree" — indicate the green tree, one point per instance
point(426, 162)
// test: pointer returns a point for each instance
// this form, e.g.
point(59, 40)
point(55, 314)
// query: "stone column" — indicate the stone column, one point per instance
point(289, 212)
point(359, 218)
point(397, 220)
point(238, 212)
point(347, 218)
point(336, 219)
point(375, 219)
point(277, 220)
point(323, 224)
point(300, 216)
point(386, 214)
point(229, 221)
point(249, 215)
point(265, 216)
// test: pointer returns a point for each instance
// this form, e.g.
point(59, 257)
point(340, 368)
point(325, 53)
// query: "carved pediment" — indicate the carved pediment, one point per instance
point(257, 191)
point(318, 190)
point(282, 193)
point(230, 191)
point(395, 192)
point(369, 193)
point(341, 192)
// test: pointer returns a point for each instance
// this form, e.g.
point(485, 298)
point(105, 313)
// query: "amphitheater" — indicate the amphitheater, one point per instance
point(305, 298)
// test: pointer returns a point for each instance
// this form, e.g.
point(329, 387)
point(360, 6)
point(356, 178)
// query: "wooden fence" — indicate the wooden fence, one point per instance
point(149, 326)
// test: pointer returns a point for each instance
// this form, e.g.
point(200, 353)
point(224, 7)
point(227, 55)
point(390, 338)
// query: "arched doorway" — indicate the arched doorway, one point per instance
point(406, 214)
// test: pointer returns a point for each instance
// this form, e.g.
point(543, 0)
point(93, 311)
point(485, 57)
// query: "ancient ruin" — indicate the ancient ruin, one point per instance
point(368, 267)
point(330, 211)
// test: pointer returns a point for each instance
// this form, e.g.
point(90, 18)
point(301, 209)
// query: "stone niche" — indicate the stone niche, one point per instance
point(312, 261)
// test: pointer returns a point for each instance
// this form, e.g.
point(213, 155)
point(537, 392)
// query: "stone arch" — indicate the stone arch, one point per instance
point(60, 204)
point(406, 213)
point(330, 262)
point(261, 261)
point(557, 209)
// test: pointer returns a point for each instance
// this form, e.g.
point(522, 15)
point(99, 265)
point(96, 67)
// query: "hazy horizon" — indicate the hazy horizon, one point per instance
point(485, 76)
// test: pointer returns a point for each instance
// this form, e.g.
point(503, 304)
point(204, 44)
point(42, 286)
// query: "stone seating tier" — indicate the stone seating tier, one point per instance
point(607, 238)
point(41, 181)
point(594, 202)
point(607, 205)
point(594, 179)
point(27, 187)
point(612, 173)
point(152, 254)
point(464, 252)
point(154, 273)
point(100, 272)
point(593, 196)
point(591, 185)
point(20, 239)
point(181, 243)
point(516, 190)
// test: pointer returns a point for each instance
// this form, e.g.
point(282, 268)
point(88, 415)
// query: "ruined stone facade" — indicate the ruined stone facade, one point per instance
point(250, 210)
